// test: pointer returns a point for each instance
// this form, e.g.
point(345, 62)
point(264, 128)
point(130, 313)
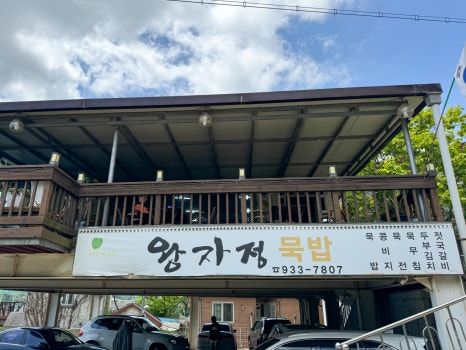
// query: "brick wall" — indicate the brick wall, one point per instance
point(245, 311)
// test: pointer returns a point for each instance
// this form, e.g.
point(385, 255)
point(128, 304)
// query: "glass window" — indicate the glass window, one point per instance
point(100, 324)
point(225, 328)
point(206, 328)
point(33, 339)
point(227, 312)
point(146, 324)
point(217, 310)
point(134, 326)
point(68, 299)
point(110, 323)
point(13, 337)
point(223, 311)
point(114, 324)
point(269, 310)
point(266, 310)
point(57, 338)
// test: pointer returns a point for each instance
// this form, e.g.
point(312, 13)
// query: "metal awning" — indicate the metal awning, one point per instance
point(271, 134)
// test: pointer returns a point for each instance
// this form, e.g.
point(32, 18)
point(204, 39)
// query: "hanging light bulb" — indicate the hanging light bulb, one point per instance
point(205, 120)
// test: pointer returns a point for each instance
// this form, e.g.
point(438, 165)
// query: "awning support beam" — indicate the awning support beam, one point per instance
point(412, 162)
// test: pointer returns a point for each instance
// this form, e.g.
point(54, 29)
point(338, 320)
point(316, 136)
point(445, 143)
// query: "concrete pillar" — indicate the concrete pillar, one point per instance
point(366, 310)
point(195, 319)
point(52, 310)
point(314, 310)
point(332, 310)
point(444, 289)
point(96, 306)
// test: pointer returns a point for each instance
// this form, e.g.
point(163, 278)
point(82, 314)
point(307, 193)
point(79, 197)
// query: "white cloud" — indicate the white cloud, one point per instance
point(88, 48)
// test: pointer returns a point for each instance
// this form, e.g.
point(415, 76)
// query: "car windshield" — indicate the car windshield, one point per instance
point(269, 324)
point(58, 338)
point(280, 328)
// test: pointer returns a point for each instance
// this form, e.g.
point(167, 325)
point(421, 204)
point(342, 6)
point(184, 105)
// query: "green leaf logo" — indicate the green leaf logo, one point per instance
point(97, 243)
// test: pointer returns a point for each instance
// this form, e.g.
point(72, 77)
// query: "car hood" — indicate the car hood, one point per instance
point(169, 335)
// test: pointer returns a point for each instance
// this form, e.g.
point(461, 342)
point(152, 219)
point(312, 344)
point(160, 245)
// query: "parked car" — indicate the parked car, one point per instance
point(261, 329)
point(44, 338)
point(227, 340)
point(327, 339)
point(101, 330)
point(280, 328)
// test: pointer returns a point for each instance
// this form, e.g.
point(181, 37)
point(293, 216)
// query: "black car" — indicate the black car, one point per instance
point(227, 340)
point(262, 328)
point(43, 338)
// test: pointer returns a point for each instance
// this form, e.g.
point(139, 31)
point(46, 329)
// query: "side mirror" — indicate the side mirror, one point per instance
point(44, 346)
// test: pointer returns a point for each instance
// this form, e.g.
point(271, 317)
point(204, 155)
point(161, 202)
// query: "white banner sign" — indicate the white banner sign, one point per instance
point(268, 250)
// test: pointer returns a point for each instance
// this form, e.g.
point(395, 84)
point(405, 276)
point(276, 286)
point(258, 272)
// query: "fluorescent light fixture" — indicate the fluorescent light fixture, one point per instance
point(332, 171)
point(54, 158)
point(242, 173)
point(430, 169)
point(159, 175)
point(81, 178)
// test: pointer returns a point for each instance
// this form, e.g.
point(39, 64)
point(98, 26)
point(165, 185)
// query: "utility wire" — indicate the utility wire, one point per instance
point(298, 8)
point(307, 9)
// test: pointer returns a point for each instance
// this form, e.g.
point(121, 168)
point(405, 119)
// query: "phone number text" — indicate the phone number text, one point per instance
point(316, 269)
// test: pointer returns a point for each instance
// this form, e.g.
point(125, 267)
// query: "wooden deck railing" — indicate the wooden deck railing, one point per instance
point(292, 200)
point(38, 195)
point(45, 197)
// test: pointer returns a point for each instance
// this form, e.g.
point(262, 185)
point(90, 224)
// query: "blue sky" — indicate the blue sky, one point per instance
point(54, 49)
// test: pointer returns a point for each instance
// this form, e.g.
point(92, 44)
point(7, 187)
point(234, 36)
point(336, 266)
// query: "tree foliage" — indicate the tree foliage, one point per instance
point(68, 314)
point(393, 159)
point(36, 309)
point(167, 306)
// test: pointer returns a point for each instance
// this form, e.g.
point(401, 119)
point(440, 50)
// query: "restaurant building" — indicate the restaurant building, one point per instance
point(242, 195)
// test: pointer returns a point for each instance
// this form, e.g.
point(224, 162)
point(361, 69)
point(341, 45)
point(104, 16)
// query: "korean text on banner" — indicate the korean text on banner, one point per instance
point(254, 250)
point(460, 74)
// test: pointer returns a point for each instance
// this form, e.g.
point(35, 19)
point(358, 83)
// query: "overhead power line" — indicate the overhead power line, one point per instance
point(299, 8)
